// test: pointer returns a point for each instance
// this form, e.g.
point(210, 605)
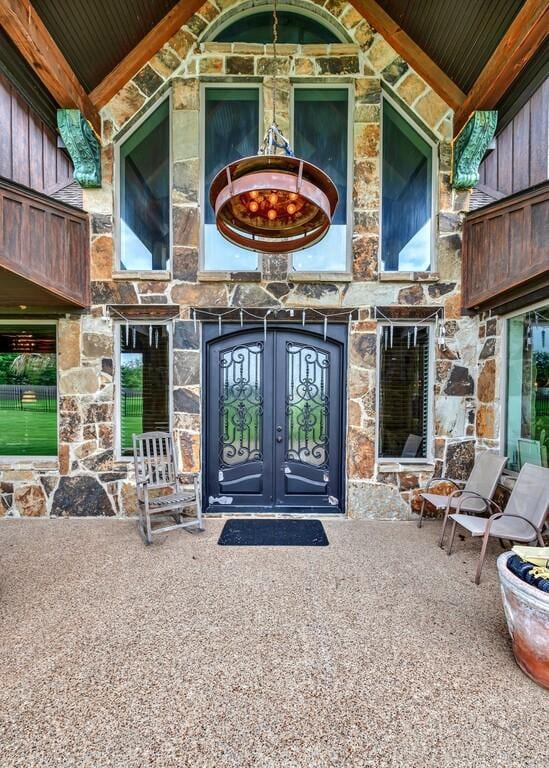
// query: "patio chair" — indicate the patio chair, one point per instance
point(156, 470)
point(522, 520)
point(481, 484)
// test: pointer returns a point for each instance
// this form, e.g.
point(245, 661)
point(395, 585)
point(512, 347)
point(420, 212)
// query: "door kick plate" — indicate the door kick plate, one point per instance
point(220, 500)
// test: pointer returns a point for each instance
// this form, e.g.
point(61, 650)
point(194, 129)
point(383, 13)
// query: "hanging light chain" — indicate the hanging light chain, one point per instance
point(275, 58)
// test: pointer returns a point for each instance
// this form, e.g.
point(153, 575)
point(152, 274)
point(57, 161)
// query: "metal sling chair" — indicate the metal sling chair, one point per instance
point(155, 470)
point(481, 485)
point(522, 520)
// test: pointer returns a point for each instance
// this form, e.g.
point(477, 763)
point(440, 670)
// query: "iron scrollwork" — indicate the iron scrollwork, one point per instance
point(241, 404)
point(307, 404)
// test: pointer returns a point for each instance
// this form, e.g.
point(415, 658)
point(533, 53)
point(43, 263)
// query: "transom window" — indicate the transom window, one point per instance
point(28, 390)
point(144, 194)
point(293, 27)
point(404, 392)
point(407, 208)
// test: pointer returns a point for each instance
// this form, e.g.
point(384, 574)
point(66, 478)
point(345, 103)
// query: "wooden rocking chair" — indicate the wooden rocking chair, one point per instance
point(156, 470)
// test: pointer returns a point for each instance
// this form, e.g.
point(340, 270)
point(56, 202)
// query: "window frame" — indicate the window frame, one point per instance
point(503, 386)
point(54, 323)
point(122, 137)
point(117, 423)
point(202, 191)
point(429, 458)
point(423, 132)
point(349, 87)
point(318, 14)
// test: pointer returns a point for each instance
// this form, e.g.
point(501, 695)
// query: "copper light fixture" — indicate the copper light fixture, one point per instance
point(275, 203)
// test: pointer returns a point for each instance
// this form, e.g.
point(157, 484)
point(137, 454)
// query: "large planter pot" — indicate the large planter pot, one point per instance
point(527, 613)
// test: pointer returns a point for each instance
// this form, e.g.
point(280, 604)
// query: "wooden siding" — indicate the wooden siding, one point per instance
point(520, 159)
point(506, 249)
point(46, 242)
point(29, 154)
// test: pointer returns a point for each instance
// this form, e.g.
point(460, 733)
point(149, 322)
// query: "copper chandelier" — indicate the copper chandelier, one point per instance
point(274, 203)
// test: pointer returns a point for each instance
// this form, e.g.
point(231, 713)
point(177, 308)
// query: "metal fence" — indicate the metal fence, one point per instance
point(31, 397)
point(542, 403)
point(132, 402)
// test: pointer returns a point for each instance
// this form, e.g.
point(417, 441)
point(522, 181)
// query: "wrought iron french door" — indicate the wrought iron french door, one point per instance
point(274, 419)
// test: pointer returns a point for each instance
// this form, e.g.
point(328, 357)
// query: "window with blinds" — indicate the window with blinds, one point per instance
point(144, 382)
point(404, 389)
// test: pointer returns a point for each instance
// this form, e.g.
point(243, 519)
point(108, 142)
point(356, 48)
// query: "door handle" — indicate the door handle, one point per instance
point(279, 439)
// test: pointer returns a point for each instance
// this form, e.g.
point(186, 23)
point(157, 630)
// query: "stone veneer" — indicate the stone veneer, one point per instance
point(87, 479)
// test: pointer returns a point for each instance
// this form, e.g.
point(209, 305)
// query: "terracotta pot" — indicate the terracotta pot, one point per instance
point(527, 613)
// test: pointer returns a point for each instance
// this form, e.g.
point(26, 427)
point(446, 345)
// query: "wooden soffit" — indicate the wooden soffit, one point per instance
point(523, 39)
point(143, 51)
point(410, 52)
point(29, 34)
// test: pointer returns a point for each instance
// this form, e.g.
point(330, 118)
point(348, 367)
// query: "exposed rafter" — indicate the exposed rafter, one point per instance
point(410, 52)
point(143, 51)
point(38, 48)
point(521, 41)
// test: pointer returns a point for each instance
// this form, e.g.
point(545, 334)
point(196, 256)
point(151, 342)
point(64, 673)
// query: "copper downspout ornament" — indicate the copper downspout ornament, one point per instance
point(274, 203)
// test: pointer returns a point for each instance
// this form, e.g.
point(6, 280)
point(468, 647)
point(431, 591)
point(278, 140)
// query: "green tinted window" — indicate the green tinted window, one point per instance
point(28, 390)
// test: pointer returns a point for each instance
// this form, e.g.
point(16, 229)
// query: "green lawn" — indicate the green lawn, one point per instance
point(130, 425)
point(28, 432)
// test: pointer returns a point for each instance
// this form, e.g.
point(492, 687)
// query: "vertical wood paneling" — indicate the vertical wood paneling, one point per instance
point(29, 153)
point(521, 149)
point(44, 241)
point(505, 248)
point(520, 158)
point(505, 161)
point(539, 130)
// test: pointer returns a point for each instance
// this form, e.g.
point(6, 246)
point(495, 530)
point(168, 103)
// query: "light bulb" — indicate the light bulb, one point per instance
point(291, 208)
point(254, 193)
point(273, 198)
point(293, 196)
point(271, 214)
point(253, 206)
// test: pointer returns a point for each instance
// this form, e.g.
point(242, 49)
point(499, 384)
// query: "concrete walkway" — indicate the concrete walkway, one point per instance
point(376, 651)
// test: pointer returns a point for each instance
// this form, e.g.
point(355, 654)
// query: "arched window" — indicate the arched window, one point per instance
point(293, 27)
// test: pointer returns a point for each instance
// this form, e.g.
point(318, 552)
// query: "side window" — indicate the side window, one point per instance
point(144, 194)
point(407, 195)
point(321, 136)
point(144, 382)
point(231, 131)
point(404, 387)
point(28, 390)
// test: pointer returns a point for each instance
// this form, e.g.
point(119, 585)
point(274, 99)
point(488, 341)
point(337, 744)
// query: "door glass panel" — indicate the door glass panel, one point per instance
point(241, 404)
point(307, 404)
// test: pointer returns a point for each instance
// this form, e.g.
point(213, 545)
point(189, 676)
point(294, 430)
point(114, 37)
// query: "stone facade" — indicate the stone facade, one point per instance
point(87, 479)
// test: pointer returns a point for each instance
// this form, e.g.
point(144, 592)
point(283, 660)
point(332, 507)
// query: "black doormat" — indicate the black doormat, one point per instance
point(273, 533)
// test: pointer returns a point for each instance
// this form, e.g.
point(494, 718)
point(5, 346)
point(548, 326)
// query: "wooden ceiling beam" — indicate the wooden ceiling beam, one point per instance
point(410, 52)
point(29, 34)
point(143, 51)
point(523, 38)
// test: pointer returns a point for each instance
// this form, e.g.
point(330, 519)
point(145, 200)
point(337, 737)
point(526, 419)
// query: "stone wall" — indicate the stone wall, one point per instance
point(88, 479)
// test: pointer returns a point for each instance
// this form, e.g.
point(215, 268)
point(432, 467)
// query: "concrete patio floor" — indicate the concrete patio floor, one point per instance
point(376, 651)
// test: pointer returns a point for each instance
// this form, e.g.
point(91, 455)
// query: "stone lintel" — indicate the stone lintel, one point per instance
point(144, 311)
point(403, 312)
point(291, 315)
